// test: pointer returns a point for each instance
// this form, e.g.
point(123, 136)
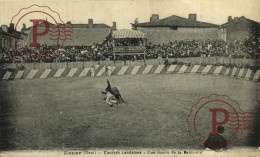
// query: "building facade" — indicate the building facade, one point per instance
point(177, 28)
point(239, 28)
point(71, 34)
point(7, 37)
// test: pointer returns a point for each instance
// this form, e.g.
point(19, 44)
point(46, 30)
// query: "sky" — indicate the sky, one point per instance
point(125, 12)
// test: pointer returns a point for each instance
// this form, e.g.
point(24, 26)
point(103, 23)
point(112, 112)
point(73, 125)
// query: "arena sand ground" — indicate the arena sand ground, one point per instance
point(71, 112)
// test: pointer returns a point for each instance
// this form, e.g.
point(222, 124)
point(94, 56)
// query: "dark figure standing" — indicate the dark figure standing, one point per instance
point(166, 63)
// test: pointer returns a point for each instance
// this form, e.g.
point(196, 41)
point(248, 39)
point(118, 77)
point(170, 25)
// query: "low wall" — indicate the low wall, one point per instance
point(100, 70)
point(193, 60)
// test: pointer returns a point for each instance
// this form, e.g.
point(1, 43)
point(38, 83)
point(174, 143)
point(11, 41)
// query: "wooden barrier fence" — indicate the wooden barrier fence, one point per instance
point(85, 64)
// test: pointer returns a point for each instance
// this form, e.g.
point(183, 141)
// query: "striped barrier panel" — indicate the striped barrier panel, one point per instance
point(227, 71)
point(135, 70)
point(206, 69)
point(218, 70)
point(147, 69)
point(248, 74)
point(72, 72)
point(97, 66)
point(240, 73)
point(99, 70)
point(7, 75)
point(59, 73)
point(19, 74)
point(32, 74)
point(45, 73)
point(233, 72)
point(84, 72)
point(171, 68)
point(183, 69)
point(122, 70)
point(195, 69)
point(159, 69)
point(112, 70)
point(256, 76)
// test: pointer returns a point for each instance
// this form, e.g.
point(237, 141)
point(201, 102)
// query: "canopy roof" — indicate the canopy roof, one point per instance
point(127, 33)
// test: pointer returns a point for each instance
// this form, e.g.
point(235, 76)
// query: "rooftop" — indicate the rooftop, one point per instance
point(102, 25)
point(239, 19)
point(175, 21)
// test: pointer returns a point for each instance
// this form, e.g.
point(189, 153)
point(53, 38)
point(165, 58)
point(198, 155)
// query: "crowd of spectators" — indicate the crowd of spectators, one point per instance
point(46, 53)
point(246, 48)
point(127, 42)
point(186, 48)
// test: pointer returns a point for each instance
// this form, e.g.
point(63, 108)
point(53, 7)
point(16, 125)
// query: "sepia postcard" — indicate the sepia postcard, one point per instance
point(113, 78)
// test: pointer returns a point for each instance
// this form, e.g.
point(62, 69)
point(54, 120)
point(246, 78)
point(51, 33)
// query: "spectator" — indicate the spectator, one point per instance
point(216, 141)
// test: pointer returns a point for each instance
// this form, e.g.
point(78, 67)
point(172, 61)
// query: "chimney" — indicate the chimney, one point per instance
point(230, 19)
point(24, 26)
point(11, 26)
point(68, 22)
point(154, 17)
point(90, 23)
point(4, 28)
point(114, 25)
point(193, 17)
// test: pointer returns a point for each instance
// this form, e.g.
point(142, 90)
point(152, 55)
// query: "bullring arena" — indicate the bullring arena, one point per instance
point(88, 78)
point(65, 108)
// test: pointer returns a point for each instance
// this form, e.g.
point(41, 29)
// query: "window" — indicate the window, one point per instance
point(174, 28)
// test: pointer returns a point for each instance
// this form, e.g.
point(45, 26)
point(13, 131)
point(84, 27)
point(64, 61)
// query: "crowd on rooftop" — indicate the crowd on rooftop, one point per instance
point(243, 48)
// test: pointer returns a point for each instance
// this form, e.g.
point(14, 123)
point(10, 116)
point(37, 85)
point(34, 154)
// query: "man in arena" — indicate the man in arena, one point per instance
point(216, 141)
point(109, 70)
point(166, 63)
point(92, 71)
point(110, 99)
point(112, 91)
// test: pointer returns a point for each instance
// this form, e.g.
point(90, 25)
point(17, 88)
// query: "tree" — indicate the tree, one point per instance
point(135, 22)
